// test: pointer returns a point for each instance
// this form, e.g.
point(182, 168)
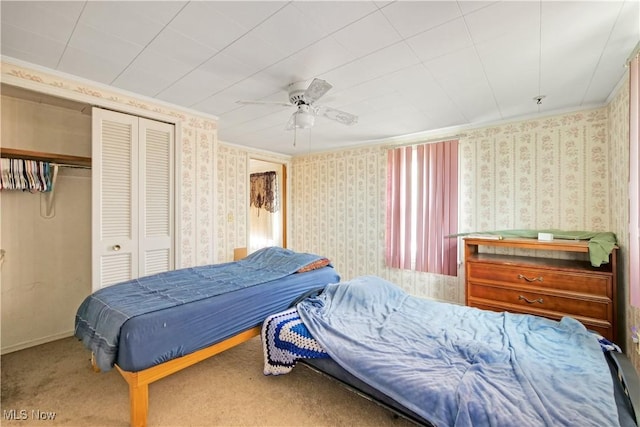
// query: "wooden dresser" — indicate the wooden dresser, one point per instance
point(545, 287)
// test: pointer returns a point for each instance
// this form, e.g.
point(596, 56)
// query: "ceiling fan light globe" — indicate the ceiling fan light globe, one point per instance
point(304, 120)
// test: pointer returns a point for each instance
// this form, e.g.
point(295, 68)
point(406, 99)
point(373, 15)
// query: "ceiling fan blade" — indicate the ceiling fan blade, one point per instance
point(337, 115)
point(316, 89)
point(282, 104)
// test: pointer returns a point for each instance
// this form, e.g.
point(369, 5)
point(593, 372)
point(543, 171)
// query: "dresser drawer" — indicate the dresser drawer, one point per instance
point(568, 285)
point(571, 281)
point(603, 327)
point(527, 300)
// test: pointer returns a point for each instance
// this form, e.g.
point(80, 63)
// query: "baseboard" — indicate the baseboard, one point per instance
point(33, 343)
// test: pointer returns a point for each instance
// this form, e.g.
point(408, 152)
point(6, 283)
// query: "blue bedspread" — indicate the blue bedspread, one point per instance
point(102, 314)
point(461, 366)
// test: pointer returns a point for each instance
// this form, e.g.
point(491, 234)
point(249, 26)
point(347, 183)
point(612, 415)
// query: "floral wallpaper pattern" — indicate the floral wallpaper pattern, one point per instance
point(195, 190)
point(205, 146)
point(186, 202)
point(545, 173)
point(232, 188)
point(619, 205)
point(338, 201)
point(232, 168)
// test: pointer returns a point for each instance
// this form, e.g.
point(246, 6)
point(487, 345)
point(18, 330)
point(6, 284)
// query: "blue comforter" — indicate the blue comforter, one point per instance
point(461, 366)
point(102, 314)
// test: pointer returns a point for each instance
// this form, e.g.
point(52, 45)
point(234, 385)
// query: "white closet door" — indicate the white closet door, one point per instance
point(156, 197)
point(133, 216)
point(114, 197)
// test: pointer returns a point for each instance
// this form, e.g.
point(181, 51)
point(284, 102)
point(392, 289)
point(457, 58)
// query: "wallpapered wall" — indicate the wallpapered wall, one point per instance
point(231, 187)
point(619, 206)
point(196, 210)
point(545, 173)
point(338, 201)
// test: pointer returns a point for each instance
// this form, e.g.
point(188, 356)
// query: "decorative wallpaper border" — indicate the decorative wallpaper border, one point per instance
point(50, 82)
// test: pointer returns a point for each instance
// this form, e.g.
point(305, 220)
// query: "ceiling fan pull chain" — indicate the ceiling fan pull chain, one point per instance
point(295, 130)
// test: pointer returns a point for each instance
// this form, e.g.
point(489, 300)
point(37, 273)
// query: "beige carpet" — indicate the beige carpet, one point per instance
point(226, 390)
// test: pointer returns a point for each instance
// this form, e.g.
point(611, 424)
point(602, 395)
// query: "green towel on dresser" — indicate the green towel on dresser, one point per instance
point(601, 244)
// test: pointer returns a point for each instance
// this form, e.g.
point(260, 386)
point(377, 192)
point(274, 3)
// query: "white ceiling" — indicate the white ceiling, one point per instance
point(403, 67)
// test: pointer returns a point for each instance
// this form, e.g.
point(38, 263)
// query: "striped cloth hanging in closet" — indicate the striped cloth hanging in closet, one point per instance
point(26, 175)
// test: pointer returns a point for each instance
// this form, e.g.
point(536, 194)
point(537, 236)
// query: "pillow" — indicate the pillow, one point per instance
point(322, 262)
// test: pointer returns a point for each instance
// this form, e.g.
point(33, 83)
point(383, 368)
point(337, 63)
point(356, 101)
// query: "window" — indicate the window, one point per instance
point(422, 207)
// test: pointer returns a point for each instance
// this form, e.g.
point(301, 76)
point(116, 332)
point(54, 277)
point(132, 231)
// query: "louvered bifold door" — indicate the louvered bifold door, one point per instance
point(156, 197)
point(114, 197)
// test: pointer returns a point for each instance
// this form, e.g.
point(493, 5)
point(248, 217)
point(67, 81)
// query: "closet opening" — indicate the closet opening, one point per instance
point(45, 229)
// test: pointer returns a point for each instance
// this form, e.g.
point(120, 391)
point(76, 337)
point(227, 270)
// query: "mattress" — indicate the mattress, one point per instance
point(331, 369)
point(156, 337)
point(449, 364)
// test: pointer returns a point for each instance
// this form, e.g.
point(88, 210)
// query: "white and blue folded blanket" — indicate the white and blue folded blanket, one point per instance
point(285, 340)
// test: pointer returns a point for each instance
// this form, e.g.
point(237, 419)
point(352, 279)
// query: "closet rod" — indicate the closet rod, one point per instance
point(62, 159)
point(65, 165)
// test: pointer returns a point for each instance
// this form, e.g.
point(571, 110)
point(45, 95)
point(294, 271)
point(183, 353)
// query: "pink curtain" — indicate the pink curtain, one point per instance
point(434, 201)
point(398, 246)
point(634, 181)
point(437, 208)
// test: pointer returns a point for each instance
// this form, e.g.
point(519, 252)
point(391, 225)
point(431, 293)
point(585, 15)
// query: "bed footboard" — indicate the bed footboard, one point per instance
point(139, 381)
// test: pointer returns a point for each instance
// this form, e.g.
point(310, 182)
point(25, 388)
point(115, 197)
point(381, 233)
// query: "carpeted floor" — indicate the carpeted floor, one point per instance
point(226, 390)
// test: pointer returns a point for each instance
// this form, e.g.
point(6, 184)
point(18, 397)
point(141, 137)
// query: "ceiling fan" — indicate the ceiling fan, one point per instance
point(306, 109)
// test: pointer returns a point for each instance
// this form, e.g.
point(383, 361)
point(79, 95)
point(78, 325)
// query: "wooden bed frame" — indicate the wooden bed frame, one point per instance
point(139, 381)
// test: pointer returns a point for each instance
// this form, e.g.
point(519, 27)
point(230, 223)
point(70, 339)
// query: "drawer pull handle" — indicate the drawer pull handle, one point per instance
point(530, 279)
point(530, 301)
